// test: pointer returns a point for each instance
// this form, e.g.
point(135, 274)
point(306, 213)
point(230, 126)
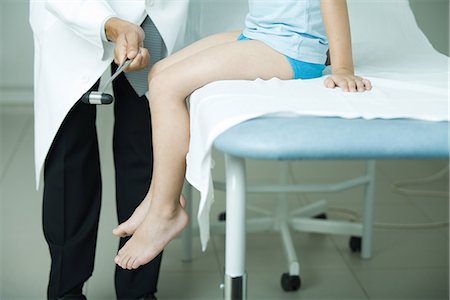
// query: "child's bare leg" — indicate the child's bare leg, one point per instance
point(128, 227)
point(192, 49)
point(170, 124)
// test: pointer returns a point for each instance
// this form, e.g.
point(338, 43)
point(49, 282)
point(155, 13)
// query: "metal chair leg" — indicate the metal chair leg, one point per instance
point(235, 277)
point(368, 212)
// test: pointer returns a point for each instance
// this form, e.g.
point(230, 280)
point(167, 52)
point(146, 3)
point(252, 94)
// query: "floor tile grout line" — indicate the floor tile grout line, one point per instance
point(350, 269)
point(423, 212)
point(410, 200)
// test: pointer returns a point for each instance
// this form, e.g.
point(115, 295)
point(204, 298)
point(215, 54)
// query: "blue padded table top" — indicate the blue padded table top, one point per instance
point(302, 137)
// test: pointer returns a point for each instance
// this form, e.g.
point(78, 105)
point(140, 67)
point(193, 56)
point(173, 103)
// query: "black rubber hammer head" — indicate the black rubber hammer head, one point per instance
point(97, 98)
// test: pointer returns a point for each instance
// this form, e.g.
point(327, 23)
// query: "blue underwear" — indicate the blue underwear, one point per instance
point(301, 69)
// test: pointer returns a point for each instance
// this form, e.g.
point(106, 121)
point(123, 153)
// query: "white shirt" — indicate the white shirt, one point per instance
point(292, 27)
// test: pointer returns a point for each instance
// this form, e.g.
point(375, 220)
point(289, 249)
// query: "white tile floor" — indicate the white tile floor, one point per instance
point(407, 264)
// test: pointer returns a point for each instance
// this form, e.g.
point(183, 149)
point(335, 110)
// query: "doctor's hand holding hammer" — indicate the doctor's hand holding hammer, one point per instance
point(129, 40)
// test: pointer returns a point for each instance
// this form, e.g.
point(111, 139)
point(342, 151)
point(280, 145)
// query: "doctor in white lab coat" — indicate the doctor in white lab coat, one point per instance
point(75, 42)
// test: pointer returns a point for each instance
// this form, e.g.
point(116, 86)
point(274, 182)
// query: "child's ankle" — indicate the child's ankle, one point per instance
point(168, 211)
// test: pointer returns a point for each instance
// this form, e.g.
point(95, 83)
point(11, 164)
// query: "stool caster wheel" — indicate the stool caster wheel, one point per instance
point(222, 217)
point(322, 216)
point(290, 283)
point(355, 243)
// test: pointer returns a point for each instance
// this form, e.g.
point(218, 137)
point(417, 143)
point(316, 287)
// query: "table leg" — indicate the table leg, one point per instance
point(235, 277)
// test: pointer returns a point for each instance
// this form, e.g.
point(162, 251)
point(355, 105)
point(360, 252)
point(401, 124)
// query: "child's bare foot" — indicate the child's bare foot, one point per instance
point(128, 227)
point(150, 238)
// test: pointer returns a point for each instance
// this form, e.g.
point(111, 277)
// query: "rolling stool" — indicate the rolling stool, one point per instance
point(313, 138)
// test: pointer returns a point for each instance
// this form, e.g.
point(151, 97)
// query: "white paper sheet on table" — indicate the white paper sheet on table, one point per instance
point(409, 78)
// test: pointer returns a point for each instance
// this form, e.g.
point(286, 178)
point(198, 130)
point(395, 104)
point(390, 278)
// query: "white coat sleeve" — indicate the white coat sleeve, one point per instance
point(85, 17)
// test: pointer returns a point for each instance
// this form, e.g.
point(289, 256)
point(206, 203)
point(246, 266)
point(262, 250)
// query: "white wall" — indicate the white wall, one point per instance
point(433, 18)
point(16, 44)
point(16, 53)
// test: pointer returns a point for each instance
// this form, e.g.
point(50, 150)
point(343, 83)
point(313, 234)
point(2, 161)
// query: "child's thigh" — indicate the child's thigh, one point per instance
point(196, 47)
point(237, 60)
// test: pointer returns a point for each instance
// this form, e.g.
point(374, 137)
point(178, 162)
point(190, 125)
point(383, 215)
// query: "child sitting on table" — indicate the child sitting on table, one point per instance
point(286, 39)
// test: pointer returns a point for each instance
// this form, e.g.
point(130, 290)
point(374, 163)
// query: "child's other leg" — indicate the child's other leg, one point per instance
point(170, 124)
point(128, 227)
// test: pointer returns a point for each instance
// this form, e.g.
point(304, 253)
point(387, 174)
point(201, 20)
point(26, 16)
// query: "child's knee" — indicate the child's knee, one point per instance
point(155, 85)
point(163, 85)
point(155, 70)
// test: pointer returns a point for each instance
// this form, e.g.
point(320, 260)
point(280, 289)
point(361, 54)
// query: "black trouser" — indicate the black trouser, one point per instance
point(72, 192)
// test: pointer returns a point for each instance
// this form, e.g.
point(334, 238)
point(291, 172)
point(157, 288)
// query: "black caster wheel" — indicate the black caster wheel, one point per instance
point(222, 217)
point(322, 216)
point(290, 283)
point(355, 244)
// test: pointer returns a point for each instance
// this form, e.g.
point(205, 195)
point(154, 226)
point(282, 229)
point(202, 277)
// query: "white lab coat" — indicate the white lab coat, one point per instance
point(70, 55)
